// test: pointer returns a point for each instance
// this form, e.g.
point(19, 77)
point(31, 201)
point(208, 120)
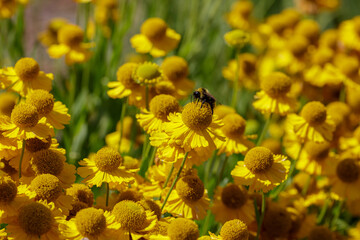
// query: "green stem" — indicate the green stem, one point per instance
point(169, 176)
point(336, 215)
point(222, 171)
point(21, 156)
point(262, 215)
point(152, 157)
point(209, 166)
point(205, 226)
point(122, 115)
point(175, 180)
point(236, 80)
point(264, 131)
point(323, 211)
point(107, 194)
point(306, 186)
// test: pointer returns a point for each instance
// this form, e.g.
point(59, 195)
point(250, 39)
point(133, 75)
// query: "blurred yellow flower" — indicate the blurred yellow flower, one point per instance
point(50, 35)
point(237, 38)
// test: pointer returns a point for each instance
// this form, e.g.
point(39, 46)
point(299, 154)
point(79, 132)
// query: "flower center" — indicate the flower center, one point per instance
point(237, 38)
point(154, 28)
point(233, 196)
point(130, 162)
point(47, 187)
point(234, 230)
point(125, 73)
point(318, 151)
point(81, 193)
point(90, 222)
point(175, 68)
point(320, 233)
point(162, 105)
point(8, 190)
point(298, 46)
point(27, 69)
point(36, 144)
point(70, 35)
point(42, 100)
point(234, 126)
point(129, 214)
point(182, 228)
point(277, 222)
point(147, 73)
point(7, 103)
point(259, 159)
point(25, 115)
point(152, 206)
point(35, 219)
point(131, 195)
point(164, 87)
point(348, 170)
point(309, 29)
point(107, 159)
point(196, 117)
point(76, 207)
point(314, 113)
point(248, 63)
point(190, 188)
point(47, 161)
point(276, 84)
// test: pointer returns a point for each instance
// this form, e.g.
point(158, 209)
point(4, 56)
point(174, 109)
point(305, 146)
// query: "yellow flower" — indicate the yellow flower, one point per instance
point(105, 12)
point(314, 7)
point(81, 193)
point(26, 77)
point(274, 97)
point(222, 110)
point(7, 103)
point(91, 223)
point(232, 202)
point(160, 107)
point(182, 228)
point(277, 222)
point(239, 16)
point(50, 35)
point(7, 8)
point(351, 145)
point(261, 169)
point(189, 199)
point(70, 38)
point(321, 232)
point(308, 28)
point(105, 166)
point(232, 230)
point(156, 38)
point(349, 33)
point(354, 233)
point(147, 73)
point(237, 38)
point(314, 124)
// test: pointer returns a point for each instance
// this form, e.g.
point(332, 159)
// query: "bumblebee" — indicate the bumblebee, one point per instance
point(203, 95)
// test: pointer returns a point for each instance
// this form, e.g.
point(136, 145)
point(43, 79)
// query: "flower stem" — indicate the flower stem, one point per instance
point(236, 81)
point(175, 180)
point(21, 156)
point(122, 115)
point(221, 171)
point(209, 166)
point(169, 176)
point(264, 131)
point(107, 194)
point(306, 186)
point(261, 216)
point(323, 211)
point(336, 215)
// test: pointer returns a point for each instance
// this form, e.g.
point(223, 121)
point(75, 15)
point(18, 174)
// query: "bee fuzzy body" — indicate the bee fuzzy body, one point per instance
point(203, 95)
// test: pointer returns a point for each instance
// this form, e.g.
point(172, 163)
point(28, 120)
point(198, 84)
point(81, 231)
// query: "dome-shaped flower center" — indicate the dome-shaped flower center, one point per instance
point(25, 115)
point(175, 68)
point(259, 159)
point(56, 24)
point(320, 233)
point(8, 190)
point(129, 214)
point(164, 87)
point(71, 35)
point(323, 56)
point(81, 193)
point(130, 162)
point(276, 84)
point(237, 38)
point(125, 75)
point(148, 73)
point(314, 113)
point(182, 228)
point(35, 219)
point(47, 187)
point(234, 126)
point(190, 188)
point(154, 28)
point(348, 170)
point(162, 105)
point(7, 103)
point(298, 46)
point(196, 117)
point(152, 206)
point(76, 207)
point(277, 222)
point(277, 23)
point(90, 222)
point(42, 100)
point(309, 29)
point(131, 195)
point(329, 38)
point(317, 151)
point(36, 144)
point(244, 8)
point(233, 196)
point(234, 230)
point(248, 63)
point(48, 161)
point(272, 144)
point(107, 159)
point(27, 69)
point(222, 110)
point(338, 111)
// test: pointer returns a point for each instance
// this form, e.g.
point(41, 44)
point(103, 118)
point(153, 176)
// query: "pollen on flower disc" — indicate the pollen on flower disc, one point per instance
point(27, 69)
point(70, 35)
point(124, 74)
point(234, 125)
point(234, 230)
point(47, 161)
point(182, 228)
point(81, 193)
point(148, 73)
point(129, 214)
point(314, 113)
point(47, 187)
point(152, 206)
point(175, 68)
point(196, 117)
point(190, 188)
point(320, 233)
point(8, 190)
point(348, 170)
point(108, 159)
point(7, 103)
point(319, 151)
point(259, 159)
point(277, 222)
point(154, 28)
point(36, 144)
point(162, 105)
point(276, 84)
point(233, 196)
point(131, 195)
point(35, 219)
point(42, 100)
point(90, 222)
point(25, 115)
